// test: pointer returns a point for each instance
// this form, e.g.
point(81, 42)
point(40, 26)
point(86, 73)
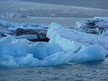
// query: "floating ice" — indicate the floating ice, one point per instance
point(97, 25)
point(23, 52)
point(9, 24)
point(14, 26)
point(72, 40)
point(30, 31)
point(65, 45)
point(62, 36)
point(15, 52)
point(95, 22)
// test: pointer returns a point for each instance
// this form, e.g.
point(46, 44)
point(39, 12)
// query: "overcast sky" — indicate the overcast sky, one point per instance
point(7, 0)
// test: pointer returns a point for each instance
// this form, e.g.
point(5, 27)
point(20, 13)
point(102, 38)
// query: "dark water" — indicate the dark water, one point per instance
point(92, 71)
point(102, 4)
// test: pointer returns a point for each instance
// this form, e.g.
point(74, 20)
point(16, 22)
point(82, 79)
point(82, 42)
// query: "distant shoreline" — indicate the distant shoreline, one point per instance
point(100, 4)
point(24, 9)
point(46, 20)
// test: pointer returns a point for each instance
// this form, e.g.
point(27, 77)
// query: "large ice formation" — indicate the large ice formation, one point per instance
point(65, 45)
point(73, 40)
point(23, 52)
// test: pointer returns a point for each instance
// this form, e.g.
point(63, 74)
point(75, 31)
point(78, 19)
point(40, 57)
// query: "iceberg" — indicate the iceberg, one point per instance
point(30, 31)
point(23, 52)
point(65, 45)
point(73, 40)
point(95, 22)
point(97, 25)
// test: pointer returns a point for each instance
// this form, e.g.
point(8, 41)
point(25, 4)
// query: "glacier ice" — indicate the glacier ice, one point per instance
point(17, 52)
point(73, 40)
point(95, 22)
point(23, 52)
point(30, 31)
point(62, 36)
point(41, 50)
point(89, 53)
point(65, 45)
point(97, 25)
